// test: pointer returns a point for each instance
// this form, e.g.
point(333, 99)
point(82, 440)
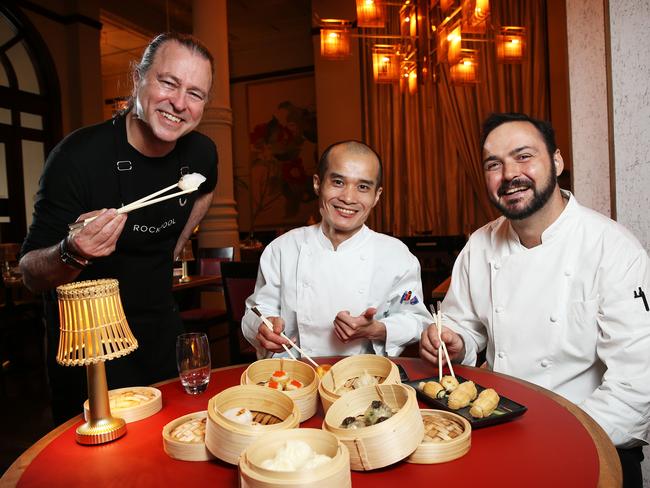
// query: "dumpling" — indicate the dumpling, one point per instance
point(240, 415)
point(470, 388)
point(458, 399)
point(434, 389)
point(365, 379)
point(485, 404)
point(450, 383)
point(378, 411)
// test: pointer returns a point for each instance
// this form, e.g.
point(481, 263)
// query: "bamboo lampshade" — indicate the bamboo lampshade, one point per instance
point(93, 324)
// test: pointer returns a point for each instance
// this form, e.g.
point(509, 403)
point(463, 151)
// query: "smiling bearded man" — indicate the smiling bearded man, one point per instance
point(337, 287)
point(552, 291)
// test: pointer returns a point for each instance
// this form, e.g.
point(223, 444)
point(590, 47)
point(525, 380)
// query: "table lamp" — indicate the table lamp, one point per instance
point(186, 255)
point(94, 330)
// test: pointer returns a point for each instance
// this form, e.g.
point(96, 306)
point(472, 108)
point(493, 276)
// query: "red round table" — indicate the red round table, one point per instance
point(553, 444)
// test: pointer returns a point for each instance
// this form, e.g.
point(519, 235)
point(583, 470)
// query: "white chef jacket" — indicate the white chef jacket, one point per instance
point(562, 314)
point(306, 282)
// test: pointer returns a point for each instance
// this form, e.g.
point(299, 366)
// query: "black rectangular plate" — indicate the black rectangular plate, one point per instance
point(505, 411)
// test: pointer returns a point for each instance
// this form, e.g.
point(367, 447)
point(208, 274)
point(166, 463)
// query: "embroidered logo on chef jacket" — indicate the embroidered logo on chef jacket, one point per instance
point(641, 295)
point(409, 298)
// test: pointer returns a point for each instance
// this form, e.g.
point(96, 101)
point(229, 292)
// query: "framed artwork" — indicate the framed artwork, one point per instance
point(281, 155)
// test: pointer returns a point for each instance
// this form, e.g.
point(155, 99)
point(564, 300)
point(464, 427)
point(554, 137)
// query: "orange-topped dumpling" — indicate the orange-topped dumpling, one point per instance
point(280, 376)
point(293, 385)
point(275, 385)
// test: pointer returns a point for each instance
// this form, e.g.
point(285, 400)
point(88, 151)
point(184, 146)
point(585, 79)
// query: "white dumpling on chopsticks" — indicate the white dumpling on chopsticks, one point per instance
point(191, 181)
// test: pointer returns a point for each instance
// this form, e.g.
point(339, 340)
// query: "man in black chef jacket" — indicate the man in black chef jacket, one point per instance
point(99, 168)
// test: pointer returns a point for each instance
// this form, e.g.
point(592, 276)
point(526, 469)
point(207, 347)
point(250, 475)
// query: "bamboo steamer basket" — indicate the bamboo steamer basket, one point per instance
point(382, 444)
point(133, 413)
point(335, 473)
point(185, 451)
point(226, 439)
point(443, 449)
point(306, 397)
point(351, 367)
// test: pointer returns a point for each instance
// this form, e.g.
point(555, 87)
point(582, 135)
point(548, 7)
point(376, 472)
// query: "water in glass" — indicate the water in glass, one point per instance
point(193, 360)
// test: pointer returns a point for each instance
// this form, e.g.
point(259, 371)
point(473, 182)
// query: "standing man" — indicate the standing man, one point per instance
point(555, 291)
point(109, 165)
point(337, 287)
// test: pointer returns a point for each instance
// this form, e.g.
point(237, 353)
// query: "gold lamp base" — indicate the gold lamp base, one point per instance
point(184, 277)
point(100, 431)
point(101, 426)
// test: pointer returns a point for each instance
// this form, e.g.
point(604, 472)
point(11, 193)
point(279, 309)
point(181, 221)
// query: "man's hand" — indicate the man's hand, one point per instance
point(271, 340)
point(347, 327)
point(429, 345)
point(98, 238)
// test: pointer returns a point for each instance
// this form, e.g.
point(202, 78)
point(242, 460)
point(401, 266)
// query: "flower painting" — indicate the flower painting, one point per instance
point(282, 151)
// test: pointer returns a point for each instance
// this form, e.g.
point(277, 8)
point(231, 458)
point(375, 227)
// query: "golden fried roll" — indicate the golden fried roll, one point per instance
point(433, 389)
point(470, 388)
point(485, 404)
point(458, 399)
point(449, 383)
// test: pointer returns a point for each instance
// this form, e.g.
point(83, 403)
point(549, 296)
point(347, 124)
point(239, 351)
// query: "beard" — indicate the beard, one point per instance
point(540, 196)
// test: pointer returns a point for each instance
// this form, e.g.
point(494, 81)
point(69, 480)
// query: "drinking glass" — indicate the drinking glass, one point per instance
point(193, 361)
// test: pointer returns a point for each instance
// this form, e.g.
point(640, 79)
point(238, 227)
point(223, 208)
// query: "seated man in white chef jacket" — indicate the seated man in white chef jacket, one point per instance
point(337, 287)
point(555, 292)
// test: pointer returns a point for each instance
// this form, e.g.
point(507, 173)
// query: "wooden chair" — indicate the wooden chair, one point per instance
point(200, 318)
point(238, 284)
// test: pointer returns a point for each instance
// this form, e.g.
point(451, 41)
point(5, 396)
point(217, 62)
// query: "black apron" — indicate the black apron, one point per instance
point(143, 265)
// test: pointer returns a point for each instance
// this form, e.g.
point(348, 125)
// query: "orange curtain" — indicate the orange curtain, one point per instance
point(429, 141)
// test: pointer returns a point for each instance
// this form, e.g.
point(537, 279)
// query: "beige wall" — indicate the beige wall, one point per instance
point(588, 95)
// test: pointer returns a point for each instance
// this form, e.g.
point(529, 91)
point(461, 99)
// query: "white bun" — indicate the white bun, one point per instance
point(191, 181)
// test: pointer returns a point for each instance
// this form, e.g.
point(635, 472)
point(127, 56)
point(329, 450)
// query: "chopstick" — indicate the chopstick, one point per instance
point(142, 202)
point(270, 326)
point(293, 344)
point(438, 318)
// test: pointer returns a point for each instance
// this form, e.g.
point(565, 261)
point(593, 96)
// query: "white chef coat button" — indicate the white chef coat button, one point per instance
point(498, 309)
point(501, 355)
point(497, 265)
point(362, 257)
point(567, 272)
point(553, 318)
point(360, 290)
point(305, 284)
point(545, 363)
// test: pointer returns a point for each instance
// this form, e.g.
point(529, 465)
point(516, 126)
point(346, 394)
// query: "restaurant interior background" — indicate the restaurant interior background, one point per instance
point(277, 103)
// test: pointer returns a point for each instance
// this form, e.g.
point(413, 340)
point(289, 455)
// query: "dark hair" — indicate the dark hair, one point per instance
point(353, 146)
point(149, 54)
point(494, 120)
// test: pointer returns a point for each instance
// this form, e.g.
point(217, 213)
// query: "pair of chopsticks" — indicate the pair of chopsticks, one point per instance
point(438, 318)
point(142, 202)
point(293, 344)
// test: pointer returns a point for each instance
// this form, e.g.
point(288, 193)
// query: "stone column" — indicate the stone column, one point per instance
point(630, 114)
point(219, 227)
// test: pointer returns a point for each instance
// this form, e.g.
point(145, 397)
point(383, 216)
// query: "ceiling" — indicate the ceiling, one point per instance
point(249, 23)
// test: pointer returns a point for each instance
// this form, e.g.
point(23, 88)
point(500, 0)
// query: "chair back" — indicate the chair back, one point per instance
point(238, 280)
point(210, 259)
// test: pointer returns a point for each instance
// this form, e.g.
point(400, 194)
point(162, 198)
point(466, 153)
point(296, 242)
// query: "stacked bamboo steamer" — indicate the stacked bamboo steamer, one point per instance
point(352, 367)
point(306, 398)
point(227, 439)
point(132, 403)
point(384, 443)
point(448, 436)
point(335, 473)
point(193, 449)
